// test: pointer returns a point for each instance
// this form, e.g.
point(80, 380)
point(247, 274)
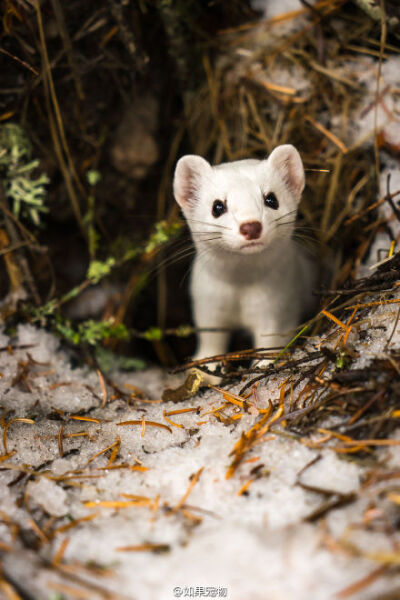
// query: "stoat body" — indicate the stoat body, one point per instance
point(248, 271)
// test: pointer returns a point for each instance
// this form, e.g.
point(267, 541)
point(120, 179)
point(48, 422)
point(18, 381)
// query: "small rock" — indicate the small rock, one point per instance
point(135, 149)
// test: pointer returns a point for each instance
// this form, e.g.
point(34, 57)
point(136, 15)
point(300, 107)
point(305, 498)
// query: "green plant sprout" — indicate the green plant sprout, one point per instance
point(91, 332)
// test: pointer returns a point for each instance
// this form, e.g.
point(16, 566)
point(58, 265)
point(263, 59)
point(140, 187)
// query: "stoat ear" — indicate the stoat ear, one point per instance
point(188, 173)
point(287, 162)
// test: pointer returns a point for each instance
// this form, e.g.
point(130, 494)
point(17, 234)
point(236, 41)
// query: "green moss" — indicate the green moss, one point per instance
point(26, 193)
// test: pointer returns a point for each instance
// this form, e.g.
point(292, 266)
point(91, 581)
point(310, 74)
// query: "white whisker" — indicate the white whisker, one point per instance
point(291, 212)
point(208, 224)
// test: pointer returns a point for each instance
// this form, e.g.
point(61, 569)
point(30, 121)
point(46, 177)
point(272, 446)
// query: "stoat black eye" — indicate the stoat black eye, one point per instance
point(271, 201)
point(218, 208)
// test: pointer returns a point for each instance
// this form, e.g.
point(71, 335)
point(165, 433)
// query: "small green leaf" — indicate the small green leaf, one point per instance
point(153, 334)
point(342, 360)
point(98, 269)
point(164, 232)
point(184, 331)
point(93, 332)
point(93, 177)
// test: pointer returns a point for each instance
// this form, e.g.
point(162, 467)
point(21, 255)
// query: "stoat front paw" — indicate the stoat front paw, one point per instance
point(263, 364)
point(209, 379)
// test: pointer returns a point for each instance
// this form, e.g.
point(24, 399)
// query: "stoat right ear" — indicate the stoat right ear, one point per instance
point(286, 161)
point(188, 172)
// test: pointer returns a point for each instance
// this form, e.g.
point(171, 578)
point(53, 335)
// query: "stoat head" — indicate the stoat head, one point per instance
point(243, 206)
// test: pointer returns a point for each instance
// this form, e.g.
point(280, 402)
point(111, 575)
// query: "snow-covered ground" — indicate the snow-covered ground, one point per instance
point(157, 543)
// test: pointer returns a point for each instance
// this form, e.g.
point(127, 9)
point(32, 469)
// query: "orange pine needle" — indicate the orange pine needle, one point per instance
point(247, 439)
point(245, 487)
point(89, 419)
point(77, 434)
point(229, 396)
point(334, 319)
point(215, 410)
point(331, 136)
point(352, 450)
point(73, 524)
point(362, 443)
point(60, 552)
point(252, 460)
point(393, 497)
point(115, 503)
point(144, 548)
point(172, 422)
point(181, 411)
point(143, 429)
point(8, 425)
point(5, 547)
point(9, 590)
point(376, 303)
point(148, 423)
point(362, 583)
point(60, 441)
point(103, 388)
point(331, 434)
point(315, 443)
point(35, 527)
point(114, 453)
point(274, 87)
point(136, 497)
point(7, 456)
point(110, 447)
point(193, 482)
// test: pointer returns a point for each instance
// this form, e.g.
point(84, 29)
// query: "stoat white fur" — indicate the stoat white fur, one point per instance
point(248, 272)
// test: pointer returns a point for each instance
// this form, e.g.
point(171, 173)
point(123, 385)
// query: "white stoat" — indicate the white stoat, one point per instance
point(248, 272)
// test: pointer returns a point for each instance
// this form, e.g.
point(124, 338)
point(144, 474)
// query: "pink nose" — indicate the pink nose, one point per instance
point(251, 231)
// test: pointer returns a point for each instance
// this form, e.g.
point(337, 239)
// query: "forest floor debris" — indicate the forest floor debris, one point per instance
point(286, 486)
